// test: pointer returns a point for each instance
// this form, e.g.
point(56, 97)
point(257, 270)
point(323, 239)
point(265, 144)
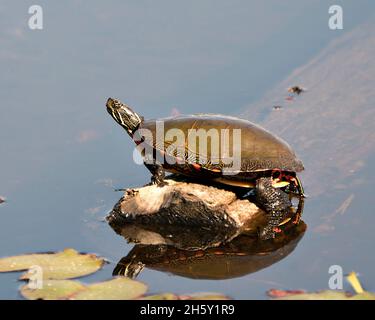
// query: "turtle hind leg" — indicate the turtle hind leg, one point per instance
point(275, 202)
point(158, 174)
point(299, 211)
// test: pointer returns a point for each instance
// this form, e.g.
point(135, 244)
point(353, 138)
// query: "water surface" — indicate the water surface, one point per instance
point(61, 155)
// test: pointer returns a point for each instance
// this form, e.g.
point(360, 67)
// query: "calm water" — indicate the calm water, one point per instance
point(61, 156)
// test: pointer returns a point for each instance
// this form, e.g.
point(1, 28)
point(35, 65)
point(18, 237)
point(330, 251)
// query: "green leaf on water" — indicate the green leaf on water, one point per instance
point(363, 296)
point(115, 289)
point(322, 295)
point(52, 290)
point(161, 296)
point(66, 264)
point(204, 296)
point(360, 294)
point(329, 295)
point(194, 296)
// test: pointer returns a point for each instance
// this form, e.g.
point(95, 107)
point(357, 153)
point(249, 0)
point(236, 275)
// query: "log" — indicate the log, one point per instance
point(211, 213)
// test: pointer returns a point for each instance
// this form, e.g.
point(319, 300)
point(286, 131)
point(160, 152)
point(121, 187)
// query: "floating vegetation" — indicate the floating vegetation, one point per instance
point(48, 274)
point(51, 290)
point(56, 269)
point(66, 264)
point(359, 294)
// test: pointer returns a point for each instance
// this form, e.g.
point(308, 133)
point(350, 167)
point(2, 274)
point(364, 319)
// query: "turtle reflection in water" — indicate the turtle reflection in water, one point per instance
point(200, 231)
point(243, 255)
point(267, 164)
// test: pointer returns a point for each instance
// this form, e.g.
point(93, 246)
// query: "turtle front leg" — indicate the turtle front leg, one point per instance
point(158, 174)
point(275, 202)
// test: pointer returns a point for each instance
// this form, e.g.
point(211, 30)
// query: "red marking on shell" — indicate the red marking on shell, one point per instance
point(219, 253)
point(196, 166)
point(199, 254)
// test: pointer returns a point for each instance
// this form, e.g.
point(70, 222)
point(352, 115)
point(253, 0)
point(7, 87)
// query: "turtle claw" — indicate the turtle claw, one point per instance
point(158, 174)
point(158, 180)
point(158, 183)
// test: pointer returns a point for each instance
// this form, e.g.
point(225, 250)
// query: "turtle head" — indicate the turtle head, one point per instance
point(123, 115)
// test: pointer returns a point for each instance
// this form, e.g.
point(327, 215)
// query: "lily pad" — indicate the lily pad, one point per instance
point(329, 295)
point(52, 290)
point(66, 264)
point(322, 295)
point(365, 295)
point(326, 294)
point(204, 296)
point(115, 289)
point(161, 296)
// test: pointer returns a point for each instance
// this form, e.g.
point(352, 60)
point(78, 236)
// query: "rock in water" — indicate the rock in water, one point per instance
point(211, 209)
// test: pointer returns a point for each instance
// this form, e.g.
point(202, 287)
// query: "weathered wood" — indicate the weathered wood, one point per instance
point(189, 205)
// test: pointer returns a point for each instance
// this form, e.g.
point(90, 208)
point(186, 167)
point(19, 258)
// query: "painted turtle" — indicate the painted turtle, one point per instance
point(260, 160)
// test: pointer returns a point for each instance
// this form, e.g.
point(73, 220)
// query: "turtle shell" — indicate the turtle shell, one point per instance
point(260, 150)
